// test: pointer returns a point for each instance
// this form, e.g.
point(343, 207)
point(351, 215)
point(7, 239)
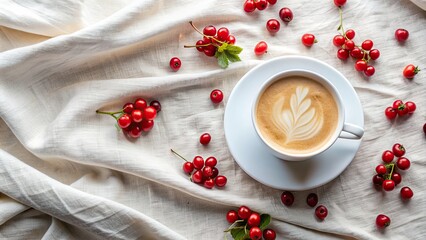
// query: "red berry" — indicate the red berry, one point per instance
point(244, 212)
point(357, 53)
point(205, 138)
point(216, 96)
point(249, 6)
point(398, 149)
point(231, 39)
point(390, 112)
point(396, 177)
point(374, 54)
point(406, 193)
point(338, 40)
point(312, 199)
point(381, 169)
point(198, 162)
point(424, 128)
point(350, 33)
point(349, 45)
point(124, 121)
point(222, 34)
point(321, 212)
point(261, 4)
point(378, 180)
point(135, 131)
point(387, 156)
point(388, 185)
point(410, 71)
point(156, 104)
point(209, 50)
point(215, 172)
point(147, 125)
point(128, 108)
point(286, 14)
point(397, 103)
point(140, 104)
point(149, 113)
point(207, 171)
point(231, 216)
point(220, 181)
point(339, 3)
point(342, 54)
point(382, 221)
point(308, 39)
point(175, 63)
point(269, 234)
point(401, 35)
point(287, 198)
point(197, 176)
point(253, 220)
point(403, 163)
point(188, 167)
point(209, 30)
point(261, 48)
point(367, 45)
point(137, 115)
point(209, 183)
point(211, 161)
point(198, 43)
point(255, 233)
point(272, 2)
point(273, 25)
point(360, 65)
point(369, 71)
point(411, 106)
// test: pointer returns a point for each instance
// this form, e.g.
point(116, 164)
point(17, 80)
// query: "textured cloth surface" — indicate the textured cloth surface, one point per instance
point(67, 173)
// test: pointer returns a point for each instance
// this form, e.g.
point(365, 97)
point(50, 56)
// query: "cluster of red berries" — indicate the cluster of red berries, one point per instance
point(400, 108)
point(255, 223)
point(251, 5)
point(136, 117)
point(205, 172)
point(321, 212)
point(209, 44)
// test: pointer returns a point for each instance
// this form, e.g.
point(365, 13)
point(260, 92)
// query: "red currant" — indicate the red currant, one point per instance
point(367, 45)
point(253, 220)
point(398, 149)
point(403, 163)
point(205, 138)
point(411, 106)
point(216, 96)
point(321, 212)
point(124, 121)
point(209, 183)
point(137, 115)
point(390, 112)
point(255, 233)
point(209, 30)
point(342, 54)
point(135, 131)
point(357, 53)
point(424, 128)
point(211, 162)
point(410, 71)
point(222, 34)
point(397, 103)
point(261, 4)
point(269, 234)
point(207, 171)
point(360, 65)
point(128, 108)
point(338, 40)
point(388, 185)
point(349, 45)
point(210, 50)
point(273, 25)
point(149, 113)
point(378, 180)
point(175, 63)
point(220, 181)
point(381, 169)
point(369, 71)
point(147, 125)
point(199, 43)
point(339, 3)
point(261, 48)
point(382, 221)
point(198, 162)
point(249, 6)
point(244, 212)
point(231, 39)
point(231, 216)
point(312, 199)
point(396, 177)
point(406, 193)
point(286, 14)
point(188, 167)
point(387, 156)
point(350, 33)
point(287, 198)
point(401, 35)
point(215, 172)
point(140, 104)
point(308, 39)
point(272, 2)
point(197, 176)
point(374, 54)
point(156, 104)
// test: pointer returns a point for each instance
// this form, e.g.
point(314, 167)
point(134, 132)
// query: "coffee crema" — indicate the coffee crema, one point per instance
point(297, 114)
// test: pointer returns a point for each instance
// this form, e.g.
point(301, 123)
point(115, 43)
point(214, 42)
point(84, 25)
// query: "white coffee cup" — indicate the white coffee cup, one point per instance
point(343, 129)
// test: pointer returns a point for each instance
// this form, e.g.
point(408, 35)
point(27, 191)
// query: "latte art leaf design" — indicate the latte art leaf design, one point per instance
point(302, 121)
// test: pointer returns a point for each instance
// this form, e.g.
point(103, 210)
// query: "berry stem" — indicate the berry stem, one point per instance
point(341, 22)
point(112, 114)
point(177, 154)
point(392, 166)
point(210, 37)
point(192, 46)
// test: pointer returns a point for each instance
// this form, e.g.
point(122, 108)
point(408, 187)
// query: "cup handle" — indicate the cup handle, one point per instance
point(355, 132)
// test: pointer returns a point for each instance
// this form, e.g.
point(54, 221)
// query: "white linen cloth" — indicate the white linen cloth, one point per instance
point(67, 173)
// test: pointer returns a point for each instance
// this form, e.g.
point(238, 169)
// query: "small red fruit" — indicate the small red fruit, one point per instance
point(381, 169)
point(140, 104)
point(216, 96)
point(175, 63)
point(231, 39)
point(137, 115)
point(222, 34)
point(205, 138)
point(197, 176)
point(124, 121)
point(342, 54)
point(209, 30)
point(367, 45)
point(198, 162)
point(410, 71)
point(249, 6)
point(360, 65)
point(209, 183)
point(244, 212)
point(312, 199)
point(339, 3)
point(308, 39)
point(272, 2)
point(401, 35)
point(261, 4)
point(211, 162)
point(253, 220)
point(220, 181)
point(424, 128)
point(403, 163)
point(390, 112)
point(261, 48)
point(369, 71)
point(357, 53)
point(231, 216)
point(349, 45)
point(156, 104)
point(406, 193)
point(287, 198)
point(411, 106)
point(350, 33)
point(207, 171)
point(321, 212)
point(273, 25)
point(128, 108)
point(135, 131)
point(387, 156)
point(338, 40)
point(149, 113)
point(378, 180)
point(396, 177)
point(286, 14)
point(255, 233)
point(382, 221)
point(388, 185)
point(398, 149)
point(374, 54)
point(147, 125)
point(188, 167)
point(269, 234)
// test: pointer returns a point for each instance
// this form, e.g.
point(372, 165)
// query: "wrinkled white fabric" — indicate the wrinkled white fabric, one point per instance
point(67, 173)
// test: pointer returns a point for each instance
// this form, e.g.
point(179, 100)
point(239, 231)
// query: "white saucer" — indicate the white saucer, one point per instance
point(253, 156)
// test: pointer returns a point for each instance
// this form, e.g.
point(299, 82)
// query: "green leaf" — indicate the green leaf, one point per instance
point(232, 57)
point(265, 219)
point(239, 234)
point(234, 49)
point(222, 60)
point(222, 47)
